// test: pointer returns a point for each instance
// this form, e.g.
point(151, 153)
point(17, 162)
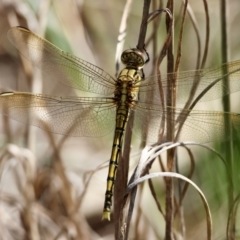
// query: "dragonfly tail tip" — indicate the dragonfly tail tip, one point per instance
point(106, 215)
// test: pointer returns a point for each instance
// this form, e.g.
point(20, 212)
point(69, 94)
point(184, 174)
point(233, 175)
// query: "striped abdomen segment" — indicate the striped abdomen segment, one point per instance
point(121, 121)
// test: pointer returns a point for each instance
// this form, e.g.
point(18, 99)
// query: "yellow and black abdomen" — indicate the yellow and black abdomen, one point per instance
point(126, 96)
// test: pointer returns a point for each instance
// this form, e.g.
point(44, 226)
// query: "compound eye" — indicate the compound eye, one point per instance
point(133, 58)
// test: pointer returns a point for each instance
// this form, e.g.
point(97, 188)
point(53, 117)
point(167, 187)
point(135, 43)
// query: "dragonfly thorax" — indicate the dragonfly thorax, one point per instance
point(127, 87)
point(133, 58)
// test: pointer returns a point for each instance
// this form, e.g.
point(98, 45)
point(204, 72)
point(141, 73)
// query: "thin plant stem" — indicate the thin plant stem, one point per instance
point(226, 99)
point(170, 127)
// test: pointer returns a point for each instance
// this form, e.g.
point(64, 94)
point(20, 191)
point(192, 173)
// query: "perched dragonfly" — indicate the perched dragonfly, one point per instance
point(98, 116)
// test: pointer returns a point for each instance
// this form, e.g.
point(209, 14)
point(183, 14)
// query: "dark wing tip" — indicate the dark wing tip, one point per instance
point(21, 28)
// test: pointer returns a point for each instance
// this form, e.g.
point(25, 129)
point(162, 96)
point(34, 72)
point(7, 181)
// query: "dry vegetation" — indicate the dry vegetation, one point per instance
point(52, 187)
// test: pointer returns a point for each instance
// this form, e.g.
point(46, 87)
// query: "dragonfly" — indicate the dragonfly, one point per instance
point(118, 97)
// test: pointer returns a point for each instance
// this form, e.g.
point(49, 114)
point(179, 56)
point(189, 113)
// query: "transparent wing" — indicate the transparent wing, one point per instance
point(82, 75)
point(59, 65)
point(89, 117)
point(200, 79)
point(200, 126)
point(208, 126)
point(95, 117)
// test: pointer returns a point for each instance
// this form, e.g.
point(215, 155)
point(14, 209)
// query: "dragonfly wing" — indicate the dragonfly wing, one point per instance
point(207, 126)
point(192, 83)
point(147, 120)
point(150, 123)
point(59, 65)
point(88, 117)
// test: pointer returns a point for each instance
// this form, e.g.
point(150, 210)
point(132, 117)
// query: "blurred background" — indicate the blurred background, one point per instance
point(44, 175)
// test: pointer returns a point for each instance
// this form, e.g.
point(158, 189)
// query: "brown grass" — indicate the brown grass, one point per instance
point(45, 194)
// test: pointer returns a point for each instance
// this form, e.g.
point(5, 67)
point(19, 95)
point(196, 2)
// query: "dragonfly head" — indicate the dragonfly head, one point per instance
point(133, 58)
